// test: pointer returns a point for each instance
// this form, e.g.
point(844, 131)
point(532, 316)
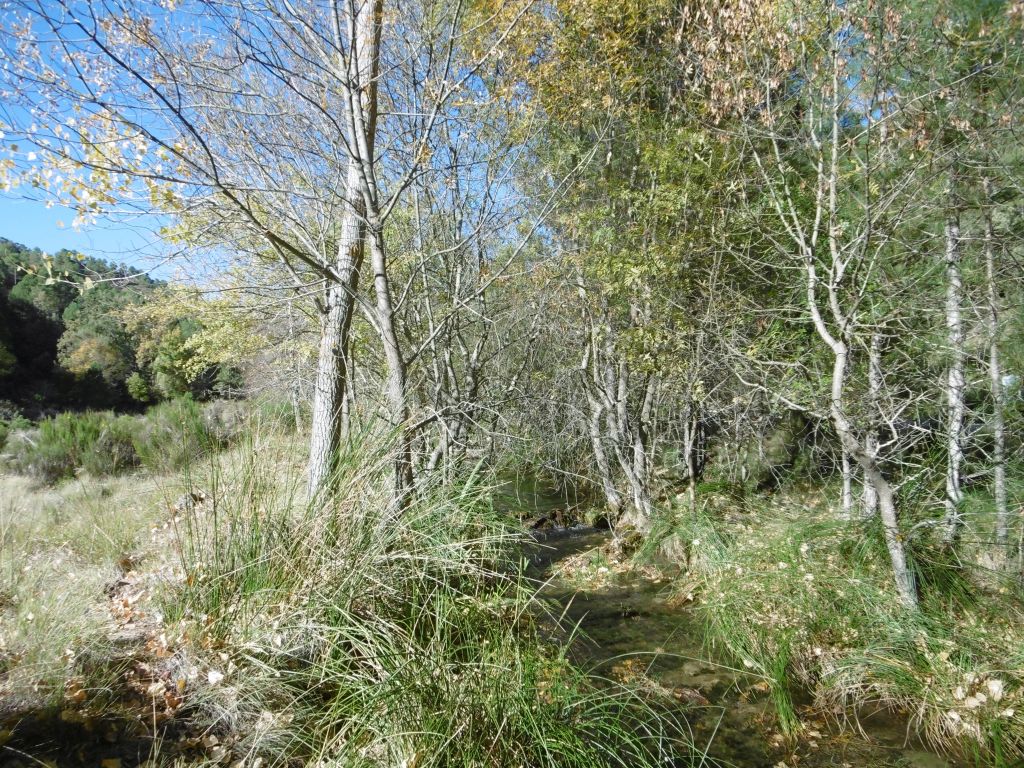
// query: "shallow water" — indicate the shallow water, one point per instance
point(629, 629)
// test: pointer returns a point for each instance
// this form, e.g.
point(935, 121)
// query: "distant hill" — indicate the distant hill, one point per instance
point(61, 343)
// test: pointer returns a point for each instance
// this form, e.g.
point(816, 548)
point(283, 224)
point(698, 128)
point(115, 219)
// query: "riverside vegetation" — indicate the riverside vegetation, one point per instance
point(200, 609)
point(245, 623)
point(738, 281)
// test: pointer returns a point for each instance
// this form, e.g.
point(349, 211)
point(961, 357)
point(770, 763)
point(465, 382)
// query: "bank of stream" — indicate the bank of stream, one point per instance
point(629, 628)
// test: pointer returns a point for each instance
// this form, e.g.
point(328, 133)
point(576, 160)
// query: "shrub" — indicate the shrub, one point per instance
point(114, 451)
point(168, 437)
point(13, 423)
point(281, 415)
point(175, 434)
point(60, 446)
point(225, 420)
point(138, 388)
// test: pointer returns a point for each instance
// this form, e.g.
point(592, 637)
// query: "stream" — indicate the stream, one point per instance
point(630, 630)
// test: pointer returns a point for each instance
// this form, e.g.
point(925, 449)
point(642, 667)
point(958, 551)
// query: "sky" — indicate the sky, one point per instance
point(31, 223)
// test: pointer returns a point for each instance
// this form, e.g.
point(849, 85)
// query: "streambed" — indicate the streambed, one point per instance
point(630, 629)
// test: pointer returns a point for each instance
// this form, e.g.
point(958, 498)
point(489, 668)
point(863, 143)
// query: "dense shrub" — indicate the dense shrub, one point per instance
point(10, 422)
point(169, 436)
point(174, 434)
point(114, 451)
point(60, 446)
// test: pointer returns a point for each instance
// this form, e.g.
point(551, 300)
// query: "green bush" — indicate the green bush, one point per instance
point(174, 434)
point(281, 415)
point(169, 436)
point(10, 421)
point(114, 451)
point(60, 446)
point(138, 388)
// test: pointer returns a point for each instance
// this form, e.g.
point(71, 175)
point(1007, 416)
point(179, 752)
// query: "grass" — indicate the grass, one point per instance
point(342, 633)
point(63, 546)
point(805, 601)
point(356, 633)
point(58, 550)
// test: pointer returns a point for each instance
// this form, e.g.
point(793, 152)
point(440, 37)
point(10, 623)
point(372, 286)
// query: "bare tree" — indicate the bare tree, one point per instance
point(835, 239)
point(254, 118)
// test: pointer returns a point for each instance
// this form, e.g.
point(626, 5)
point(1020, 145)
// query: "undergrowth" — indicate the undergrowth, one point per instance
point(166, 438)
point(806, 602)
point(352, 631)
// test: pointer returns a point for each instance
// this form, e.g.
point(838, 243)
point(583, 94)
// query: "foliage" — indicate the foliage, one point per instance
point(75, 330)
point(138, 387)
point(185, 345)
point(169, 436)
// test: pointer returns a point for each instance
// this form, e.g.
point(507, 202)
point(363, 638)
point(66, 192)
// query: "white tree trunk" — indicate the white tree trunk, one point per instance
point(869, 496)
point(954, 381)
point(847, 492)
point(996, 382)
point(395, 381)
point(691, 445)
point(872, 474)
point(332, 376)
point(611, 494)
point(359, 74)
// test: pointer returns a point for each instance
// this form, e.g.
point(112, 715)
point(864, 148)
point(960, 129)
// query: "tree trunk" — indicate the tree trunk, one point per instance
point(359, 75)
point(612, 496)
point(869, 497)
point(996, 382)
point(872, 474)
point(329, 394)
point(395, 381)
point(847, 492)
point(954, 381)
point(691, 447)
point(638, 472)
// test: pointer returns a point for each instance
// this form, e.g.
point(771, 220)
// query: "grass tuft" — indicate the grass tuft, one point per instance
point(357, 633)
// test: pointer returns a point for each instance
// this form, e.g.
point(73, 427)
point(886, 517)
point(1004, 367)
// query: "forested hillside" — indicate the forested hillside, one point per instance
point(722, 301)
point(67, 339)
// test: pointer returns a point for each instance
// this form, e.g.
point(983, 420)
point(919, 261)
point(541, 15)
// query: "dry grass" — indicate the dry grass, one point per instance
point(59, 549)
point(63, 548)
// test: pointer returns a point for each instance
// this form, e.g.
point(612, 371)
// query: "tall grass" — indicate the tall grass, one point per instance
point(354, 632)
point(805, 602)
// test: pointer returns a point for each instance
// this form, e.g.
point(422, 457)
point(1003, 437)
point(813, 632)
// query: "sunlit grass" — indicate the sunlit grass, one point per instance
point(59, 548)
point(356, 632)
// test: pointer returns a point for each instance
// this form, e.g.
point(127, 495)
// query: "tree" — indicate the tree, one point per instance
point(256, 125)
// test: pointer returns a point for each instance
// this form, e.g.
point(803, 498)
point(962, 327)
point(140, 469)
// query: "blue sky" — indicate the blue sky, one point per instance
point(31, 223)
